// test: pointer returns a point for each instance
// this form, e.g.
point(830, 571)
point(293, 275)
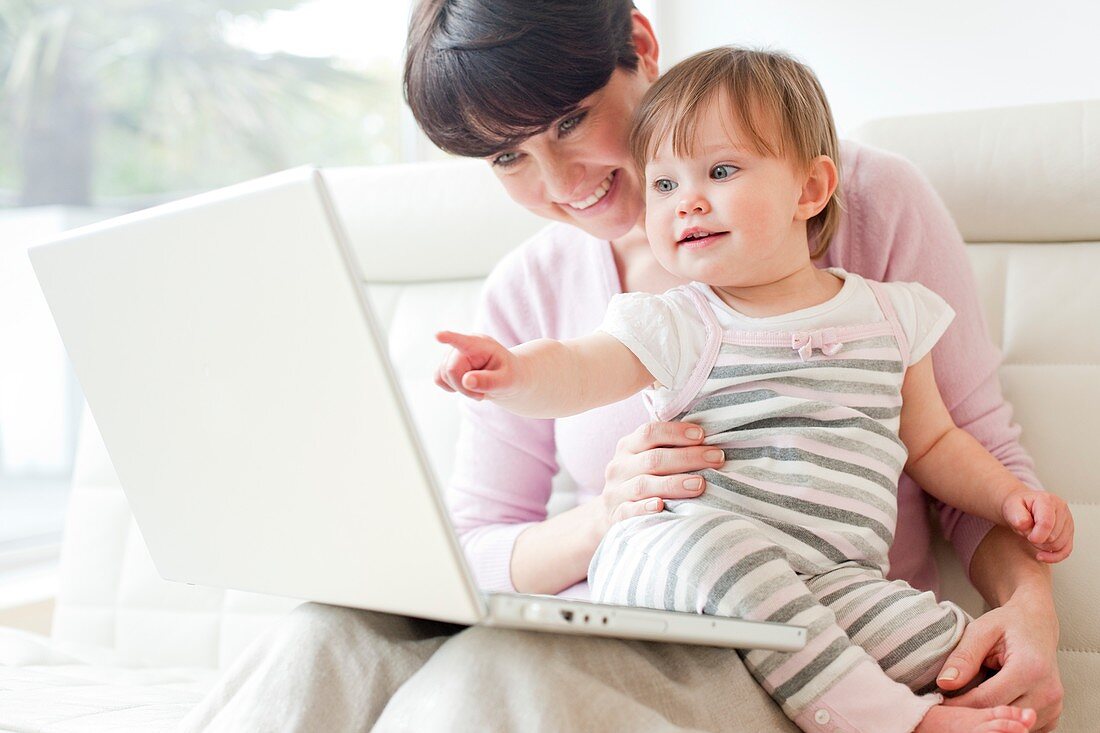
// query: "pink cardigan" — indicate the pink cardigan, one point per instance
point(558, 284)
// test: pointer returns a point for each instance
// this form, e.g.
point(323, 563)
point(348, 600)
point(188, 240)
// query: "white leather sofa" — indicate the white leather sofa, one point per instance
point(129, 651)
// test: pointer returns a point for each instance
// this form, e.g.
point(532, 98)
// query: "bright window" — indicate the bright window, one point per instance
point(116, 105)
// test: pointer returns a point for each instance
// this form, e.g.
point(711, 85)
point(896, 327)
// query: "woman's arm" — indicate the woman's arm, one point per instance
point(1018, 637)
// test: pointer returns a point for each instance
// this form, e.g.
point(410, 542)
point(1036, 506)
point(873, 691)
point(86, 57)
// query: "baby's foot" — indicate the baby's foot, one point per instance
point(1001, 719)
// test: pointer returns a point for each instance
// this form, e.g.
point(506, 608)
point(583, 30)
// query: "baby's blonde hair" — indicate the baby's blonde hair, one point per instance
point(769, 94)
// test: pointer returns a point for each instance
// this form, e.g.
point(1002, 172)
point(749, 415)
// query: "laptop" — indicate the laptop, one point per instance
point(240, 380)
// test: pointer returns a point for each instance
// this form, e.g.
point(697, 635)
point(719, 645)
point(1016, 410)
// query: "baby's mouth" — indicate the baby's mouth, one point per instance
point(697, 236)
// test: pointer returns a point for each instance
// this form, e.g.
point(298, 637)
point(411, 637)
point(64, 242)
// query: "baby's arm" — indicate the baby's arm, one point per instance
point(955, 468)
point(543, 378)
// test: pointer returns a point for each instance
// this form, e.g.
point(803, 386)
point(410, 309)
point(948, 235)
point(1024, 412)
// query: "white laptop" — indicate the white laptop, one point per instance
point(237, 374)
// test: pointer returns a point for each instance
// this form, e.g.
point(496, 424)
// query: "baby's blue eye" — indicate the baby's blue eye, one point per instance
point(723, 171)
point(663, 185)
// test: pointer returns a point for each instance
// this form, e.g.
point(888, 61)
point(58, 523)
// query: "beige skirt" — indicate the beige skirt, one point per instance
point(331, 669)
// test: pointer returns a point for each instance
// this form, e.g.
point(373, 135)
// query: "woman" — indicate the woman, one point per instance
point(544, 92)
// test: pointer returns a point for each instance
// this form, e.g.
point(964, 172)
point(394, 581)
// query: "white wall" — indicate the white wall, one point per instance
point(884, 57)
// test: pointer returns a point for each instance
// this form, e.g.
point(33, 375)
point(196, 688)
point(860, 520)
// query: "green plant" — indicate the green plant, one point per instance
point(135, 96)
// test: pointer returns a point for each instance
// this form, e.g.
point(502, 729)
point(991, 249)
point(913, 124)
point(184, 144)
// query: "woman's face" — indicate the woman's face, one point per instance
point(579, 171)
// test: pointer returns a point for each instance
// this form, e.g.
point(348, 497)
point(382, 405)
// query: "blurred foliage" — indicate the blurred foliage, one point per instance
point(167, 104)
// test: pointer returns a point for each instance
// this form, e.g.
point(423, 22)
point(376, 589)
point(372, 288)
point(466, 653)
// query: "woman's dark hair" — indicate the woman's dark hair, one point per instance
point(483, 75)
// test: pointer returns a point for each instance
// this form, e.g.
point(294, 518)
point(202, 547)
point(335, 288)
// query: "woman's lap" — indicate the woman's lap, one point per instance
point(335, 669)
point(508, 680)
point(320, 668)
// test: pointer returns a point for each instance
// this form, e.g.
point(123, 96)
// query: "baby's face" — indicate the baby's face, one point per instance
point(725, 215)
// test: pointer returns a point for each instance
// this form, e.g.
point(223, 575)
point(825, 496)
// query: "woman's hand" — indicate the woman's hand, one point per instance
point(1020, 639)
point(650, 465)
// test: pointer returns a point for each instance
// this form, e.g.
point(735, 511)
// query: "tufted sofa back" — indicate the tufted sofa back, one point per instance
point(1023, 185)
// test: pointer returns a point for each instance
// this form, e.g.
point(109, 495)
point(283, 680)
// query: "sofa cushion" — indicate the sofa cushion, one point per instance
point(1018, 174)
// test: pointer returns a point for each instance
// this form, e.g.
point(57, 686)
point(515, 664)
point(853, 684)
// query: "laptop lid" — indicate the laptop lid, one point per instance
point(192, 327)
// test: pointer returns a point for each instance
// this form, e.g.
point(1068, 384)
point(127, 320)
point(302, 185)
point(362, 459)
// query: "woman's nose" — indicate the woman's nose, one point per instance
point(692, 204)
point(561, 178)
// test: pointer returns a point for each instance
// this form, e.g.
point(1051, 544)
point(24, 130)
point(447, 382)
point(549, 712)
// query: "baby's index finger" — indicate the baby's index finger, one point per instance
point(458, 340)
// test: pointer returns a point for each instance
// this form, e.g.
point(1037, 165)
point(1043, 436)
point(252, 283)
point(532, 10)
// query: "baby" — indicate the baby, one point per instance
point(818, 386)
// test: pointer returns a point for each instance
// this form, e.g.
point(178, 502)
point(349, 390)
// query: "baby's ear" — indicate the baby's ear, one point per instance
point(818, 187)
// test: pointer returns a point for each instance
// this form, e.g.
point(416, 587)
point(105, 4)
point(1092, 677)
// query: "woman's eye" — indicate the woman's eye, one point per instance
point(568, 125)
point(505, 159)
point(723, 170)
point(663, 185)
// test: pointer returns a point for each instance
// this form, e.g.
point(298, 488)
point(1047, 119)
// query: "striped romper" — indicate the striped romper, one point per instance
point(797, 524)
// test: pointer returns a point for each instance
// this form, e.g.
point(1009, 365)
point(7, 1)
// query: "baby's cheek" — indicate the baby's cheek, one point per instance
point(658, 230)
point(762, 225)
point(666, 256)
point(758, 220)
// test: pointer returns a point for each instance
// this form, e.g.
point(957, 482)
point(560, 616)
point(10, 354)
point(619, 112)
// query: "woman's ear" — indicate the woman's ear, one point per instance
point(820, 184)
point(645, 45)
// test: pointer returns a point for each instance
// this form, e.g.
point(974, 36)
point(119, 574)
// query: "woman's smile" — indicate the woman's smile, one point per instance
point(596, 195)
point(600, 200)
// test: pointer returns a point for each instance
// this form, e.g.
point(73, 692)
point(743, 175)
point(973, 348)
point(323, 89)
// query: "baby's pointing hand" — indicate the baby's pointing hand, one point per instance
point(1044, 520)
point(477, 367)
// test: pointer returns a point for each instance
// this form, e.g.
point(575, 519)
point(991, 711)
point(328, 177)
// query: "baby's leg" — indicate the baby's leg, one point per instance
point(906, 630)
point(722, 564)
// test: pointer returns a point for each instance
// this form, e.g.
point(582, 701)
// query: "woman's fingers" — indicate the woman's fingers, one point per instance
point(977, 643)
point(677, 486)
point(636, 509)
point(1001, 686)
point(652, 464)
point(658, 434)
point(668, 461)
point(1014, 684)
point(646, 494)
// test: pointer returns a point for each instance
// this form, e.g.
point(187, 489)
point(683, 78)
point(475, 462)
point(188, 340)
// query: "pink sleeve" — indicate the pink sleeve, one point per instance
point(900, 230)
point(503, 463)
